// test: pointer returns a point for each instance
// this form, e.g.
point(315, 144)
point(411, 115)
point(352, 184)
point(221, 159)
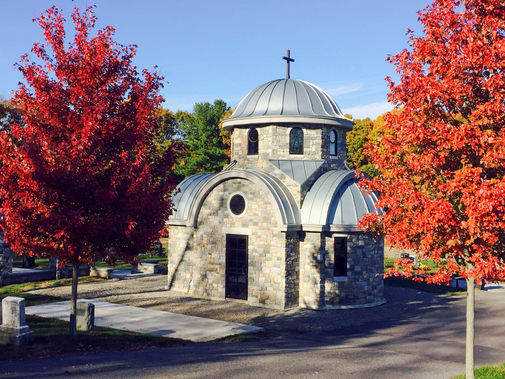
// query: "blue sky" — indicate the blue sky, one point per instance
point(222, 49)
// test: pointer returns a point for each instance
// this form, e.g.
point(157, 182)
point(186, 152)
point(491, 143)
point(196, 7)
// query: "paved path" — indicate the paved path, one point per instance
point(149, 321)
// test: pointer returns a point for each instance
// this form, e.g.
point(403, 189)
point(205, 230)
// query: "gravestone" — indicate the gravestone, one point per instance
point(13, 329)
point(28, 262)
point(60, 272)
point(85, 313)
point(6, 257)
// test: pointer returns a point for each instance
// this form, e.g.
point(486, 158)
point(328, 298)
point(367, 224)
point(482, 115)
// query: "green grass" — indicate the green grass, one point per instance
point(162, 262)
point(390, 262)
point(40, 263)
point(487, 372)
point(43, 263)
point(52, 338)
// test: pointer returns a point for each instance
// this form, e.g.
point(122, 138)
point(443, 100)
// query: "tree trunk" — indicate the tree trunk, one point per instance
point(73, 300)
point(470, 316)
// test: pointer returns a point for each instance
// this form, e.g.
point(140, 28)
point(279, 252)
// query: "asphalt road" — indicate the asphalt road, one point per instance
point(421, 335)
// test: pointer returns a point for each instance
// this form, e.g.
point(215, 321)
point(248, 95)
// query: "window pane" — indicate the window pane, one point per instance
point(237, 205)
point(340, 257)
point(296, 141)
point(333, 142)
point(252, 145)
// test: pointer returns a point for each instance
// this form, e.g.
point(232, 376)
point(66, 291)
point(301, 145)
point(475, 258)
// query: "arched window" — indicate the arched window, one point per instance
point(333, 142)
point(252, 144)
point(296, 141)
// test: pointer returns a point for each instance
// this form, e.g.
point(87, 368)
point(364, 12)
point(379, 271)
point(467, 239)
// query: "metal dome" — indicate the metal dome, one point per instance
point(336, 202)
point(287, 101)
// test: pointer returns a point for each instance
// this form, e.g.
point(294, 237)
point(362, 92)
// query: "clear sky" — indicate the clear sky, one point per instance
point(222, 49)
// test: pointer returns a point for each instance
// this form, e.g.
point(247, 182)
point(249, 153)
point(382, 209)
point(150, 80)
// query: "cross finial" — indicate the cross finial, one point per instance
point(288, 59)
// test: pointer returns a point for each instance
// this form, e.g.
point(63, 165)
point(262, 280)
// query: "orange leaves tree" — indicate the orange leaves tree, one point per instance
point(82, 178)
point(442, 157)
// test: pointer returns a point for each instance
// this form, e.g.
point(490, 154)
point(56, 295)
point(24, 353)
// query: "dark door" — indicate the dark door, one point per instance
point(236, 267)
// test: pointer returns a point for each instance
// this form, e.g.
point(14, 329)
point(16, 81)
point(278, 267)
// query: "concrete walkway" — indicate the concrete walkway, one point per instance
point(149, 321)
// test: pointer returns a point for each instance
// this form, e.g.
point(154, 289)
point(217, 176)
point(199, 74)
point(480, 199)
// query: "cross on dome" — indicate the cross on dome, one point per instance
point(288, 59)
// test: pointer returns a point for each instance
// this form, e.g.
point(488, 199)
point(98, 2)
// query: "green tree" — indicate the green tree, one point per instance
point(205, 149)
point(9, 114)
point(365, 134)
point(357, 138)
point(225, 134)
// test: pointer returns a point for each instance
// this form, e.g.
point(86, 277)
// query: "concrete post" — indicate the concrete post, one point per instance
point(85, 315)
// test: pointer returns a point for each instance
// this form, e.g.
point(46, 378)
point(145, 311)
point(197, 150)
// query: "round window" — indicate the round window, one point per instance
point(237, 205)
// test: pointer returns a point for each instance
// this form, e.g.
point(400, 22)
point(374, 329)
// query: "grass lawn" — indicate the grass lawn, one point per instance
point(162, 262)
point(390, 262)
point(43, 263)
point(40, 263)
point(487, 372)
point(52, 338)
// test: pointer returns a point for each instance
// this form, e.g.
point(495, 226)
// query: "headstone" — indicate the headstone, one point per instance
point(85, 313)
point(28, 262)
point(13, 329)
point(6, 258)
point(134, 269)
point(101, 272)
point(60, 272)
point(158, 250)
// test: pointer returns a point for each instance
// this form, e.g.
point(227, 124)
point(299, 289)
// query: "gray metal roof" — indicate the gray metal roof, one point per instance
point(336, 201)
point(185, 194)
point(196, 188)
point(287, 100)
point(297, 170)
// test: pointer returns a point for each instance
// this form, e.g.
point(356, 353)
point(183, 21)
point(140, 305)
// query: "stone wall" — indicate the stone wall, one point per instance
point(274, 144)
point(197, 259)
point(361, 287)
point(312, 271)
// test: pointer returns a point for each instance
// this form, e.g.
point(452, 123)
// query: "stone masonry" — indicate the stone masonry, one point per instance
point(363, 285)
point(288, 265)
point(274, 143)
point(198, 261)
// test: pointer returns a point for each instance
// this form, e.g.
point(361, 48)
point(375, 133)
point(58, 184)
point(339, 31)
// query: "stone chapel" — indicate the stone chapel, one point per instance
point(278, 226)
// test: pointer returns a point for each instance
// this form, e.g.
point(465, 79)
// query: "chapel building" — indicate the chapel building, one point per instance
point(278, 226)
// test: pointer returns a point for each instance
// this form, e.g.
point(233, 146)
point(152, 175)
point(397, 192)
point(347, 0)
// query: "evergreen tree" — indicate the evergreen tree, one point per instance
point(205, 149)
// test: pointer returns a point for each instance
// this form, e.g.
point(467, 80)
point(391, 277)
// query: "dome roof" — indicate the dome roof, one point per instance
point(287, 100)
point(336, 201)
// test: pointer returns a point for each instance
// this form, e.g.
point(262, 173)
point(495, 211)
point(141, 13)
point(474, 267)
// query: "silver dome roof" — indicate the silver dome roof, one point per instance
point(336, 201)
point(287, 101)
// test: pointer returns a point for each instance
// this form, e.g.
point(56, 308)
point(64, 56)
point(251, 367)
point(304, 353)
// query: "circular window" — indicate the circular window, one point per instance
point(333, 136)
point(237, 204)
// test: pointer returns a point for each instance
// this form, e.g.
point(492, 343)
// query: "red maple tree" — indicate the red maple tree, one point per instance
point(82, 178)
point(442, 158)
